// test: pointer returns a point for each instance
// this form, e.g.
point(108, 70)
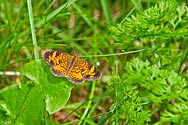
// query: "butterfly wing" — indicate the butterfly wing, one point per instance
point(58, 61)
point(89, 71)
point(82, 70)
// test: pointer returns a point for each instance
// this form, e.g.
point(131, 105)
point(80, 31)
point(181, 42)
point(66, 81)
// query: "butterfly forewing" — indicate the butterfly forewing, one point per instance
point(58, 61)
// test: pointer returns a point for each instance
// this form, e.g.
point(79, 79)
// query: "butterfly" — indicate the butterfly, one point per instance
point(73, 68)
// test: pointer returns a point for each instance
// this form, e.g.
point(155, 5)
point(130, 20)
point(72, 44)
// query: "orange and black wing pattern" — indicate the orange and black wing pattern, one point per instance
point(83, 71)
point(73, 68)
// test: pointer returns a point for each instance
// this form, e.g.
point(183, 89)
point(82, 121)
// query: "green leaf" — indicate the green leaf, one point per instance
point(56, 96)
point(26, 103)
point(22, 104)
point(56, 91)
point(34, 71)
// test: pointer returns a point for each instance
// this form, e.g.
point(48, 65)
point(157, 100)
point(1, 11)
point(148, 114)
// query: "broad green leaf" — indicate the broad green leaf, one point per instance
point(26, 103)
point(22, 104)
point(56, 91)
point(56, 97)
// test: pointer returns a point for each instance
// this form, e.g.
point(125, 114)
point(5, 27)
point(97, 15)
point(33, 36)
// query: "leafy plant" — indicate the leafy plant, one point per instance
point(144, 91)
point(33, 98)
point(161, 30)
point(163, 21)
point(152, 91)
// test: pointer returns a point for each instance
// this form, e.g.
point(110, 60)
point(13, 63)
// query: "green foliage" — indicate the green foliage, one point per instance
point(33, 98)
point(159, 23)
point(142, 92)
point(161, 30)
point(21, 102)
point(145, 90)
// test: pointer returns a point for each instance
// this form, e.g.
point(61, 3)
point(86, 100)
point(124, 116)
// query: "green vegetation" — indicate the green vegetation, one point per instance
point(141, 46)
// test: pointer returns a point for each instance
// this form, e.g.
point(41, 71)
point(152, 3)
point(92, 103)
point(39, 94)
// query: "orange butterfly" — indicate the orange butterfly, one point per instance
point(73, 68)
